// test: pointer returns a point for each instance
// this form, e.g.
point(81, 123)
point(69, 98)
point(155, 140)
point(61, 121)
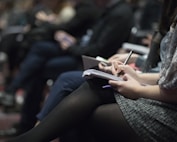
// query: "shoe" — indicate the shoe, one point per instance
point(8, 100)
point(9, 132)
point(15, 130)
point(1, 97)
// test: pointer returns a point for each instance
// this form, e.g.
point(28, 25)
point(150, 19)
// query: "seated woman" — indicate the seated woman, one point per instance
point(67, 82)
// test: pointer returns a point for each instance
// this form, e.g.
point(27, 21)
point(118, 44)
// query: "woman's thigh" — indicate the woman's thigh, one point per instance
point(109, 124)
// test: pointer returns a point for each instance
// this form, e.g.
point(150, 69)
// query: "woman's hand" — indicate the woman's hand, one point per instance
point(111, 68)
point(118, 57)
point(117, 67)
point(66, 40)
point(123, 57)
point(126, 69)
point(42, 16)
point(128, 88)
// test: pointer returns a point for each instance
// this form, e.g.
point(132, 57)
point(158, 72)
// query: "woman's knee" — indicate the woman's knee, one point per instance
point(104, 112)
point(71, 80)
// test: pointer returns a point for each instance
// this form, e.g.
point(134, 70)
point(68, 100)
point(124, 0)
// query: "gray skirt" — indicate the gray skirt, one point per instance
point(152, 120)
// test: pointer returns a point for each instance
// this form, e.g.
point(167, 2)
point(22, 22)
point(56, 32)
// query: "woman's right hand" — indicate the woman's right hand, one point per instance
point(118, 57)
point(122, 57)
point(110, 68)
point(116, 67)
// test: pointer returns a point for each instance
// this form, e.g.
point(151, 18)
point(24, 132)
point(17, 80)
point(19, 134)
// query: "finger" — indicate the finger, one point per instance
point(101, 66)
point(108, 68)
point(114, 69)
point(113, 58)
point(118, 68)
point(125, 68)
point(64, 45)
point(115, 84)
point(127, 77)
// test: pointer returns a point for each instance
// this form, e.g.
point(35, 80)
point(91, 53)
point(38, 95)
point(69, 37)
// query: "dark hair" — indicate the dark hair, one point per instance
point(168, 15)
point(169, 11)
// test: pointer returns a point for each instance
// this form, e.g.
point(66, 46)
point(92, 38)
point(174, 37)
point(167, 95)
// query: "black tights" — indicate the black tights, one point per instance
point(96, 104)
point(110, 126)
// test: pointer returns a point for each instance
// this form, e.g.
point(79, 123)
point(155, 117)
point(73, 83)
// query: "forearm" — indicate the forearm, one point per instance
point(149, 78)
point(156, 93)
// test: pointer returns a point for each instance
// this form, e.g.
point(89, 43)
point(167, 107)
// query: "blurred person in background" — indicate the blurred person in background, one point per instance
point(22, 27)
point(113, 23)
point(34, 86)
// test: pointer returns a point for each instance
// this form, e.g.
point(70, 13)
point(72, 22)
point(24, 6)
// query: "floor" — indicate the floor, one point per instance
point(7, 120)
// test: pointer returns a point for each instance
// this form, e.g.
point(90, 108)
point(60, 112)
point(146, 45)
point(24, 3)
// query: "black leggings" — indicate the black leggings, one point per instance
point(86, 104)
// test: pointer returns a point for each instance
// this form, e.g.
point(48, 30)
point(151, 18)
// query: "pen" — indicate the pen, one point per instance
point(125, 62)
point(128, 57)
point(120, 73)
point(106, 86)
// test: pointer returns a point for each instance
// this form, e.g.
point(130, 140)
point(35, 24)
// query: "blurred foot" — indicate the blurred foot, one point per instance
point(8, 99)
point(1, 97)
point(11, 132)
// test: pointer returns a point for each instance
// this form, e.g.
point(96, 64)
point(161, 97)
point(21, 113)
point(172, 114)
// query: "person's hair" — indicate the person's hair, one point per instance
point(168, 15)
point(169, 10)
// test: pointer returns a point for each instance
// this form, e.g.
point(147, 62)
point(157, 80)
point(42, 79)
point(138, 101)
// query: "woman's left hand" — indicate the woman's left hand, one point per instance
point(129, 87)
point(66, 40)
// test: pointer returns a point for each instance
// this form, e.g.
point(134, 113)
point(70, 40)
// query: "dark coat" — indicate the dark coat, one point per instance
point(111, 30)
point(86, 15)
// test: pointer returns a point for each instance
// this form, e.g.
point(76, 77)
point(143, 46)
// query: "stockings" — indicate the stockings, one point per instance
point(109, 125)
point(83, 104)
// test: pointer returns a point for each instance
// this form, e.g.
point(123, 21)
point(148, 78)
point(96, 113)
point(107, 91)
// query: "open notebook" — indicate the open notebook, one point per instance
point(89, 63)
point(93, 73)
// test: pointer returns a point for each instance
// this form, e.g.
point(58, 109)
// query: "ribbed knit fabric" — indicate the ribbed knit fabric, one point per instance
point(154, 121)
